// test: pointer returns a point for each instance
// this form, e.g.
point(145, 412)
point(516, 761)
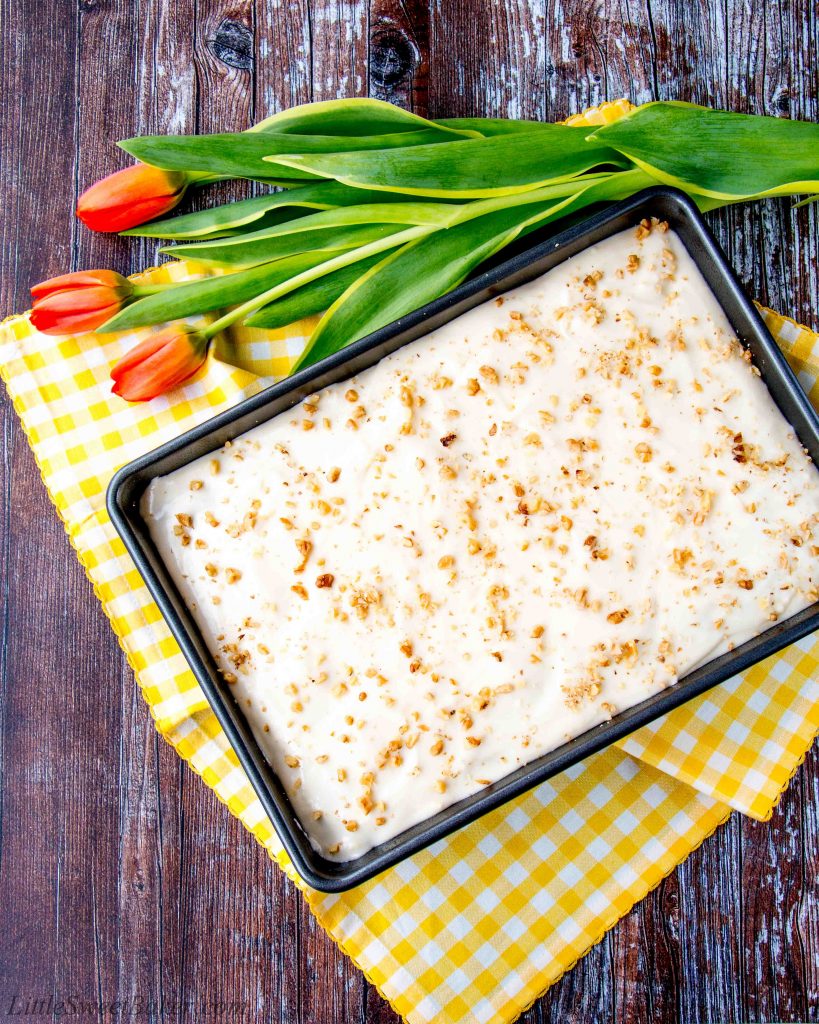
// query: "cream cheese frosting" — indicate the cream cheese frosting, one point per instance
point(495, 539)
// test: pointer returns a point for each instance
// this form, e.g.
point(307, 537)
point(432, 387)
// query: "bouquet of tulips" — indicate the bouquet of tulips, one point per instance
point(372, 212)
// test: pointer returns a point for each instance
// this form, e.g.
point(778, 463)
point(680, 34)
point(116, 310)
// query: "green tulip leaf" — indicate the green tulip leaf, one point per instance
point(253, 155)
point(249, 251)
point(234, 218)
point(256, 245)
point(202, 296)
point(352, 117)
point(230, 217)
point(471, 168)
point(715, 153)
point(490, 126)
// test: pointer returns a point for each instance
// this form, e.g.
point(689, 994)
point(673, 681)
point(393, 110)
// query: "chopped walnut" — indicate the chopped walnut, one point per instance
point(362, 600)
point(740, 449)
point(682, 556)
point(304, 548)
point(704, 498)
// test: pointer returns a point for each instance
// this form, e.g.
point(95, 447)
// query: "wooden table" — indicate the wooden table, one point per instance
point(121, 877)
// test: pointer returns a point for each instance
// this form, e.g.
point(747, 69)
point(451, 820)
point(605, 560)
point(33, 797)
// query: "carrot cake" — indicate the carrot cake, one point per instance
point(498, 537)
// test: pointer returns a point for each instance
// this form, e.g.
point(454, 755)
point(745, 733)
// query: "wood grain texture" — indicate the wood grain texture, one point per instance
point(121, 877)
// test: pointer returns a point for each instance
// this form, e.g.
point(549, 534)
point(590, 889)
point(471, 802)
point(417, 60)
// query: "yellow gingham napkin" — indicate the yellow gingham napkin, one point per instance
point(479, 925)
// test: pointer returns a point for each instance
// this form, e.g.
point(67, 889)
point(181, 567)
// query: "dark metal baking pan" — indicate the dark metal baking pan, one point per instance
point(129, 483)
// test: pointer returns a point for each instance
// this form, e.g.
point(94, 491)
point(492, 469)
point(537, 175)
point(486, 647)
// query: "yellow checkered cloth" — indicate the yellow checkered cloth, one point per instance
point(479, 925)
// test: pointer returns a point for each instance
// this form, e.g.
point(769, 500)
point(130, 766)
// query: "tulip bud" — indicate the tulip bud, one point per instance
point(75, 303)
point(130, 197)
point(161, 362)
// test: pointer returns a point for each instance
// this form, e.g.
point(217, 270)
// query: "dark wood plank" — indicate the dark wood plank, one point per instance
point(131, 83)
point(58, 737)
point(338, 48)
point(398, 53)
point(773, 881)
point(488, 61)
point(283, 60)
point(807, 832)
point(143, 884)
point(224, 59)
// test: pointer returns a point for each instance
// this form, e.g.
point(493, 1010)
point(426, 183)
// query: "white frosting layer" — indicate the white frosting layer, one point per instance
point(498, 537)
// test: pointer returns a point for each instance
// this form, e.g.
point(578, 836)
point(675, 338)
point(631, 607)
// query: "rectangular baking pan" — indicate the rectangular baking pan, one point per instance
point(129, 483)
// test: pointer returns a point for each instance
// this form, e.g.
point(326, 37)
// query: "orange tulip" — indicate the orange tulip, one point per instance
point(161, 362)
point(74, 303)
point(130, 197)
